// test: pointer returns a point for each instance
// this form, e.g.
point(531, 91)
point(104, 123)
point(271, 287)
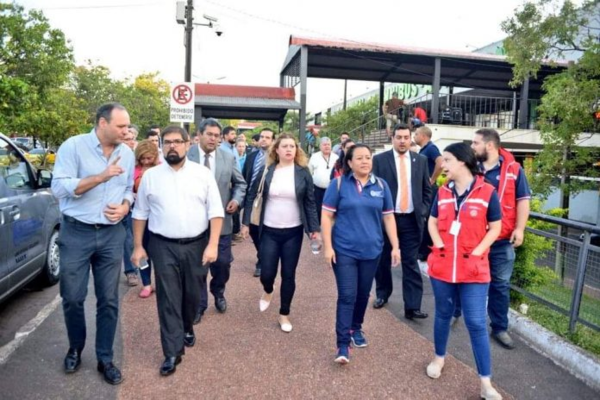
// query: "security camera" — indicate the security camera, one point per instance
point(211, 19)
point(218, 29)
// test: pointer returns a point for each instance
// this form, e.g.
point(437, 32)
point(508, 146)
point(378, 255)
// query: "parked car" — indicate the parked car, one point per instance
point(29, 223)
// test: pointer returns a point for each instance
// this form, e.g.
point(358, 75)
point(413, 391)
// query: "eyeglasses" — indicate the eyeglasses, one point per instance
point(176, 143)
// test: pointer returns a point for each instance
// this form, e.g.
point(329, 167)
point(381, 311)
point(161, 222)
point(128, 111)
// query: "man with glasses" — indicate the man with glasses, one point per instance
point(179, 199)
point(253, 169)
point(232, 188)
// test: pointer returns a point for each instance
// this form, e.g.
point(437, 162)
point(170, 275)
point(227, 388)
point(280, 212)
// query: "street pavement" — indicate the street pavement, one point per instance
point(244, 354)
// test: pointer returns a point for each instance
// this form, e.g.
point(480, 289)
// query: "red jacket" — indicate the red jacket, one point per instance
point(507, 192)
point(454, 262)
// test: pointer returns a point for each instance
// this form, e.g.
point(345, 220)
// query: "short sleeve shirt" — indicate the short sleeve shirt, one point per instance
point(494, 211)
point(432, 152)
point(359, 211)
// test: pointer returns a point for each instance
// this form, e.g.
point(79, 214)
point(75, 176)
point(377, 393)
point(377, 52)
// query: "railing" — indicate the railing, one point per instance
point(574, 263)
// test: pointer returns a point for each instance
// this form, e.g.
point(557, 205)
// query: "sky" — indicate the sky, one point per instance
point(131, 37)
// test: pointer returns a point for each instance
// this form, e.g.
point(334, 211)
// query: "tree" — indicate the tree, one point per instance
point(35, 61)
point(544, 29)
point(358, 119)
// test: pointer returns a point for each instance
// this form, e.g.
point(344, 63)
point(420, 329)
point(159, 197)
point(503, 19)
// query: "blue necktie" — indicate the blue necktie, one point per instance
point(259, 162)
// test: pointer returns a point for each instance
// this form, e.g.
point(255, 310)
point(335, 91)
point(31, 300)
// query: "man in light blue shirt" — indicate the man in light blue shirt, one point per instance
point(93, 181)
point(228, 142)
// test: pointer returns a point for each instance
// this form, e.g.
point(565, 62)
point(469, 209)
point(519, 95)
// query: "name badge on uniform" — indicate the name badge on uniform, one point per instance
point(455, 228)
point(376, 193)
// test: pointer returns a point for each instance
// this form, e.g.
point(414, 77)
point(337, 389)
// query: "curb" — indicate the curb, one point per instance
point(576, 361)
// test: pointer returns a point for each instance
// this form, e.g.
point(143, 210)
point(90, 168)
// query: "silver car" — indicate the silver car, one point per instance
point(29, 223)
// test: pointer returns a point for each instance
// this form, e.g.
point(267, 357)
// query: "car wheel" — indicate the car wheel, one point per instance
point(51, 272)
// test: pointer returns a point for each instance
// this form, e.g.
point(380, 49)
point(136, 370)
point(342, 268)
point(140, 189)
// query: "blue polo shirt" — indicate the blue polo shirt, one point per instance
point(494, 211)
point(358, 228)
point(432, 152)
point(493, 177)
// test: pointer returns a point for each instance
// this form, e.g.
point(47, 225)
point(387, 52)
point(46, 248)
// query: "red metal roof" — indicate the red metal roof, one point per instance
point(263, 92)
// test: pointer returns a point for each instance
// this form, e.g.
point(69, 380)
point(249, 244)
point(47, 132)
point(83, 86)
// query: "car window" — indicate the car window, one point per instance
point(13, 167)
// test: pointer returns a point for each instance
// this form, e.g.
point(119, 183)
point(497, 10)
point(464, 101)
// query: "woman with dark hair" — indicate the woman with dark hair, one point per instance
point(288, 209)
point(465, 220)
point(356, 209)
point(338, 167)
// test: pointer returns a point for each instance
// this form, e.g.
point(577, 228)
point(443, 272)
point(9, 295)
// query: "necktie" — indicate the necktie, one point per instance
point(207, 161)
point(258, 164)
point(403, 185)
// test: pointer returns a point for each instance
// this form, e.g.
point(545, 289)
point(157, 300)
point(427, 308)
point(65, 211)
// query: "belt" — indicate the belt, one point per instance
point(404, 214)
point(74, 221)
point(182, 240)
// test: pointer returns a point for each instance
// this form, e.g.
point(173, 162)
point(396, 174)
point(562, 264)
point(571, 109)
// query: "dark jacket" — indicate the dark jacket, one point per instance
point(249, 166)
point(384, 166)
point(304, 195)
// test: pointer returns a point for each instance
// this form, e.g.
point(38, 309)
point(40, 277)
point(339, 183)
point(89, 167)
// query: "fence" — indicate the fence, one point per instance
point(572, 259)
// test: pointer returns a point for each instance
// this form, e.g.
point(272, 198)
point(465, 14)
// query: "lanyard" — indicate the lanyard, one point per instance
point(326, 159)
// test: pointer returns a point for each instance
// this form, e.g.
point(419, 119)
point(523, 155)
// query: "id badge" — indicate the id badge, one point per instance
point(455, 228)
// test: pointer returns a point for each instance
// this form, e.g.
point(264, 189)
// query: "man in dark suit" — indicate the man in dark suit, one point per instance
point(253, 169)
point(232, 189)
point(407, 175)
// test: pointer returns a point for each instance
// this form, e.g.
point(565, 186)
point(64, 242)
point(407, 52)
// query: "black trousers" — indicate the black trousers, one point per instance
point(255, 235)
point(220, 271)
point(237, 223)
point(319, 194)
point(426, 242)
point(409, 235)
point(179, 275)
point(285, 245)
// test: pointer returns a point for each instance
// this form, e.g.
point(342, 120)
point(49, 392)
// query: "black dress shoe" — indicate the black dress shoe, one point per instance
point(221, 304)
point(72, 361)
point(189, 339)
point(198, 317)
point(379, 303)
point(111, 373)
point(257, 272)
point(415, 314)
point(169, 365)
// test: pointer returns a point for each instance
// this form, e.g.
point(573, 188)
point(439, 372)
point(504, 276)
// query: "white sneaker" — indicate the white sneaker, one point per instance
point(265, 301)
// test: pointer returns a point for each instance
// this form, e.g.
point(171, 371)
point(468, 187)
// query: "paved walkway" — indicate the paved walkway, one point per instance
point(244, 354)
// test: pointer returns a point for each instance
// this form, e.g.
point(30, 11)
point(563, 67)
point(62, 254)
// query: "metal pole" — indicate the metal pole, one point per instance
point(189, 27)
point(303, 82)
point(345, 92)
point(524, 106)
point(579, 281)
point(435, 100)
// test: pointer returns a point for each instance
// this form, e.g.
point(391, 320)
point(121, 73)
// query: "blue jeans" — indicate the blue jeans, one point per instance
point(354, 279)
point(473, 298)
point(502, 262)
point(82, 245)
point(129, 268)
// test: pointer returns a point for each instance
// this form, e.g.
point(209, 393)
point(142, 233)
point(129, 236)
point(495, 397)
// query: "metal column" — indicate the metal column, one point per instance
point(380, 109)
point(303, 79)
point(435, 101)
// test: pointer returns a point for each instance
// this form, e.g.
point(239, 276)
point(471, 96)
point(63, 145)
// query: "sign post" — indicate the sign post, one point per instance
point(182, 102)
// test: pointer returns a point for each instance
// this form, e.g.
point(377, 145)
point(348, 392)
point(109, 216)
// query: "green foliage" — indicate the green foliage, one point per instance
point(352, 118)
point(554, 29)
point(526, 274)
point(35, 63)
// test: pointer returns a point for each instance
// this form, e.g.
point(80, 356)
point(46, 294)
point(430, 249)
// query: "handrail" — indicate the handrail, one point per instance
point(566, 222)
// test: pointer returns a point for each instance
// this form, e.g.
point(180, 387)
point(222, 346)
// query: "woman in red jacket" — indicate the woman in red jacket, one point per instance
point(465, 220)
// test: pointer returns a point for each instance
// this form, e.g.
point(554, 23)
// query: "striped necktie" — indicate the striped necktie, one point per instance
point(207, 160)
point(259, 162)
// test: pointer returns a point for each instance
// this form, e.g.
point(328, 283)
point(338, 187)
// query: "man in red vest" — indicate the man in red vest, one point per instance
point(507, 176)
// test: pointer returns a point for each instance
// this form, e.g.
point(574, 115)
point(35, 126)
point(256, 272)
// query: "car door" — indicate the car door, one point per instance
point(4, 237)
point(23, 212)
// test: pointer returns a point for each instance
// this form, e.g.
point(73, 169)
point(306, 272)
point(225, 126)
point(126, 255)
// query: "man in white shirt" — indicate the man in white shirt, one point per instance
point(320, 165)
point(178, 198)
